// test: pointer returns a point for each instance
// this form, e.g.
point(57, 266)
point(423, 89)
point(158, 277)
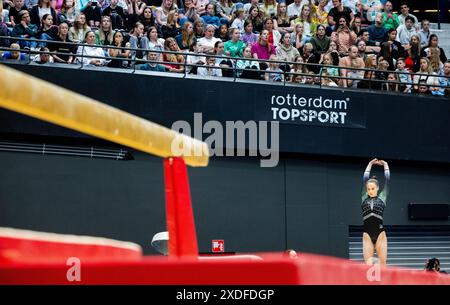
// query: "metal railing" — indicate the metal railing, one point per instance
point(135, 63)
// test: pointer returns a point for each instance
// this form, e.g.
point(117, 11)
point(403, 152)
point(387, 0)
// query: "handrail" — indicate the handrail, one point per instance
point(136, 61)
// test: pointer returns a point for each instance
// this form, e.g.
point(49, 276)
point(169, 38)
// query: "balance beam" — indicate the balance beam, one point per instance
point(31, 96)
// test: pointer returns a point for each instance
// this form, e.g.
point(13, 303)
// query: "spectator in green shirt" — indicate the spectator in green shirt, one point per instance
point(390, 19)
point(234, 46)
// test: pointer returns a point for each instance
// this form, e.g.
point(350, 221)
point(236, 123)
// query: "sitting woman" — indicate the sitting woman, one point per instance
point(154, 42)
point(282, 22)
point(47, 30)
point(79, 29)
point(298, 71)
point(66, 51)
point(68, 12)
point(172, 27)
point(187, 37)
point(172, 61)
point(96, 54)
point(286, 52)
point(249, 37)
point(428, 75)
point(119, 55)
point(138, 40)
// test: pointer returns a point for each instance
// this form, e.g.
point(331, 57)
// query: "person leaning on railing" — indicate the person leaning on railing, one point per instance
point(62, 44)
point(444, 80)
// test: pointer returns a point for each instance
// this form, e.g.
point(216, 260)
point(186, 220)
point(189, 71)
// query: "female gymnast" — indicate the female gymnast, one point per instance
point(373, 205)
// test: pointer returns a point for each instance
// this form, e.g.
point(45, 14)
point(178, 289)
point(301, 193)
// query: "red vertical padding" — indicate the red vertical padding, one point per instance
point(179, 214)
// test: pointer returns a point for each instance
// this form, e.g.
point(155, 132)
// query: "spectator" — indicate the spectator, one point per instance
point(444, 80)
point(356, 25)
point(188, 13)
point(135, 9)
point(310, 79)
point(47, 30)
point(371, 62)
point(249, 37)
point(298, 39)
point(162, 12)
point(361, 45)
point(38, 11)
point(282, 20)
point(294, 9)
point(44, 57)
point(286, 52)
point(329, 71)
point(255, 17)
point(201, 6)
point(14, 12)
point(377, 32)
point(96, 54)
point(234, 46)
point(269, 8)
point(344, 37)
point(116, 14)
point(320, 41)
point(414, 51)
point(172, 27)
point(390, 19)
point(321, 14)
point(224, 10)
point(246, 65)
point(79, 29)
point(309, 27)
point(67, 13)
point(273, 72)
point(433, 43)
point(274, 35)
point(147, 19)
point(392, 49)
point(24, 29)
point(224, 63)
point(92, 11)
point(422, 88)
point(210, 69)
point(382, 68)
point(119, 55)
point(338, 11)
point(199, 29)
point(392, 84)
point(63, 45)
point(298, 71)
point(361, 12)
point(429, 76)
point(222, 33)
point(238, 21)
point(138, 41)
point(193, 59)
point(404, 32)
point(173, 61)
point(104, 35)
point(14, 55)
point(371, 46)
point(327, 81)
point(262, 49)
point(433, 54)
point(154, 42)
point(354, 62)
point(404, 77)
point(206, 44)
point(210, 17)
point(187, 37)
point(309, 57)
point(153, 65)
point(404, 9)
point(424, 32)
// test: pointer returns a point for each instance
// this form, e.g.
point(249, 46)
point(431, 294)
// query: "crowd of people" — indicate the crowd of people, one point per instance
point(341, 43)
